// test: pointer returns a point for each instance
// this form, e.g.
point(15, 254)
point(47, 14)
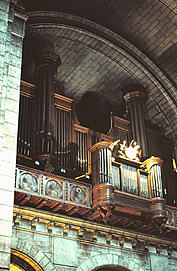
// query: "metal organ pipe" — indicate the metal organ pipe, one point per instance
point(153, 166)
point(29, 128)
point(24, 129)
point(105, 165)
point(100, 167)
point(20, 127)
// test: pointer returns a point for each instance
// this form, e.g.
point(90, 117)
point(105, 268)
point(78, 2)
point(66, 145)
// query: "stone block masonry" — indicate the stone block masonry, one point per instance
point(70, 244)
point(10, 74)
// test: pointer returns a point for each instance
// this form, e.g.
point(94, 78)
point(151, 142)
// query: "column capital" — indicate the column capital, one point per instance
point(135, 95)
point(152, 161)
point(47, 57)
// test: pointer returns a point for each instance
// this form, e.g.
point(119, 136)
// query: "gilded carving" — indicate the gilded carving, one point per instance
point(132, 152)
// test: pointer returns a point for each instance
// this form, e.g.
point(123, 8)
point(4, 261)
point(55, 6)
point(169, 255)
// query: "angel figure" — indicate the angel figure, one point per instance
point(118, 149)
point(133, 151)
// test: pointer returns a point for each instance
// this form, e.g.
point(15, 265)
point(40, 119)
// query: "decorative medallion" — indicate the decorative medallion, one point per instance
point(53, 189)
point(78, 194)
point(28, 182)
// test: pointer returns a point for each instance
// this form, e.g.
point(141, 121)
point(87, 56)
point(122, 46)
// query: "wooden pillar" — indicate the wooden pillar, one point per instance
point(46, 68)
point(135, 102)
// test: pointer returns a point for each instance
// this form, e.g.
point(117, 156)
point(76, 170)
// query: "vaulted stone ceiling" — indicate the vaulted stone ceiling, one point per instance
point(105, 45)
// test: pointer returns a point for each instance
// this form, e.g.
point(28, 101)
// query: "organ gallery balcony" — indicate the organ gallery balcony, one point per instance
point(122, 192)
point(77, 171)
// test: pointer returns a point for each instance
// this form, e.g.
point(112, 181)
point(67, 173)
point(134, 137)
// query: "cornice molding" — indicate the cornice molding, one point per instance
point(70, 223)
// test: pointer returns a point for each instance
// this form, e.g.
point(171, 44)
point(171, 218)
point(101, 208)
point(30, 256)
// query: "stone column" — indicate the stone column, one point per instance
point(12, 25)
point(46, 68)
point(135, 104)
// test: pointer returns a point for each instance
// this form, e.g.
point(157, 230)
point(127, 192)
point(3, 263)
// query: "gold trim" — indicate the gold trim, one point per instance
point(94, 243)
point(27, 84)
point(151, 162)
point(26, 258)
point(82, 129)
point(121, 119)
point(61, 97)
point(121, 128)
point(27, 89)
point(22, 156)
point(26, 94)
point(58, 106)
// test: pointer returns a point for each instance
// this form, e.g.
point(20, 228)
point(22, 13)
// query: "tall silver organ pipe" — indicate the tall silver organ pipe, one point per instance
point(105, 165)
point(62, 135)
point(129, 179)
point(24, 128)
point(144, 185)
point(116, 177)
point(82, 155)
point(156, 181)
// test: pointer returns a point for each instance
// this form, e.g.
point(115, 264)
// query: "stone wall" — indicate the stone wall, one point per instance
point(11, 34)
point(69, 244)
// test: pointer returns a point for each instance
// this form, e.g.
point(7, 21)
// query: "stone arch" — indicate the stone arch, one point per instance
point(107, 259)
point(111, 268)
point(28, 250)
point(23, 261)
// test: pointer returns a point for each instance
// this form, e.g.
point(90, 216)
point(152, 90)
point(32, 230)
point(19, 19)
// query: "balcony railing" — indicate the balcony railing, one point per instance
point(50, 187)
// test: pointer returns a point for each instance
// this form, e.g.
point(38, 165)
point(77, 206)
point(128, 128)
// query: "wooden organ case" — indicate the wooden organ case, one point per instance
point(84, 172)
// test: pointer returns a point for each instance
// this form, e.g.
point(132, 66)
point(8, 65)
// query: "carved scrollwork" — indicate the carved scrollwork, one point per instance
point(77, 194)
point(28, 182)
point(53, 189)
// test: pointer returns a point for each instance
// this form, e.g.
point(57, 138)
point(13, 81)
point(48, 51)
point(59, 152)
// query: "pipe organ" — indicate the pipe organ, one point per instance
point(120, 174)
point(125, 175)
point(75, 150)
